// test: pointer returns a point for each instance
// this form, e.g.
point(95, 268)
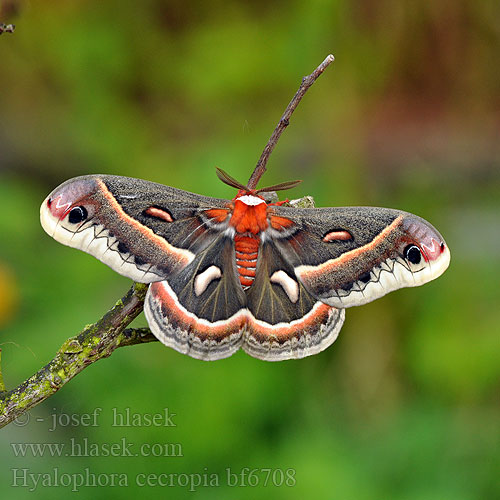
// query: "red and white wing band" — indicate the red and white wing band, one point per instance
point(180, 329)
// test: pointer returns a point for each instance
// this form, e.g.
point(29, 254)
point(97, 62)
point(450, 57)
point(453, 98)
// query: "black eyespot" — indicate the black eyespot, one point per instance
point(77, 214)
point(412, 254)
point(139, 261)
point(122, 248)
point(365, 278)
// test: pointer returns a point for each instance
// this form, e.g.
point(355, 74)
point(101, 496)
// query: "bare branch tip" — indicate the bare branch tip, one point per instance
point(328, 60)
point(307, 81)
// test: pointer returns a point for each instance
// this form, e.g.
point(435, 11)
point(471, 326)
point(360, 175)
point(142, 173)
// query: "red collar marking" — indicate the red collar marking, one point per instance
point(249, 218)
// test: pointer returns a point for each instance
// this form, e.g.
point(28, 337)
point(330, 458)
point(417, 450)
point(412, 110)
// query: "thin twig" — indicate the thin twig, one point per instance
point(93, 343)
point(307, 81)
point(99, 340)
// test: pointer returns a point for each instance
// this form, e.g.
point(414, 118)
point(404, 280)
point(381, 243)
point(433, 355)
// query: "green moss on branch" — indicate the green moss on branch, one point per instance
point(93, 343)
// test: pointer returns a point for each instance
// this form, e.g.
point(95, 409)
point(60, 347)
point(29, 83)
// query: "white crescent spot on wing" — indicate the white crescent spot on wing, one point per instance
point(204, 279)
point(288, 284)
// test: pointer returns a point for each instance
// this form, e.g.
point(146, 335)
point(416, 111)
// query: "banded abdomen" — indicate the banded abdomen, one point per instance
point(247, 251)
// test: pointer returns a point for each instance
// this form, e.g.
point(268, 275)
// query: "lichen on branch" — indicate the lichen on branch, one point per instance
point(94, 342)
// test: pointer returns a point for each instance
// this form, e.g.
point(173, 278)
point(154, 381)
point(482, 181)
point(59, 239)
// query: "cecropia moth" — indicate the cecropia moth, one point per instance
point(272, 279)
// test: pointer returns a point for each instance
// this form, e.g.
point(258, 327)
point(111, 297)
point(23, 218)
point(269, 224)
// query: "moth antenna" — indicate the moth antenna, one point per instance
point(280, 187)
point(230, 181)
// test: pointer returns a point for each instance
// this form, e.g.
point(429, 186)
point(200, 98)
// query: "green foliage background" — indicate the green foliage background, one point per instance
point(405, 404)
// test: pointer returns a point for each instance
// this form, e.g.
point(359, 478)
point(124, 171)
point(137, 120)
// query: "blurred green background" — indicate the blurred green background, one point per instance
point(405, 404)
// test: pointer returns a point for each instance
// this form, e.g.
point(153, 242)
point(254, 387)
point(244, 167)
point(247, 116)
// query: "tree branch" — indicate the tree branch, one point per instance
point(2, 385)
point(307, 81)
point(93, 343)
point(99, 340)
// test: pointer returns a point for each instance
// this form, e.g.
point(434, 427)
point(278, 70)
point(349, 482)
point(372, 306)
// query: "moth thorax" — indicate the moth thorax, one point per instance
point(249, 215)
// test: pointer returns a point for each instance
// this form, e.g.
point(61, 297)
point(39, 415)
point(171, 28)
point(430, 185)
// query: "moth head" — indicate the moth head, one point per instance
point(423, 249)
point(68, 207)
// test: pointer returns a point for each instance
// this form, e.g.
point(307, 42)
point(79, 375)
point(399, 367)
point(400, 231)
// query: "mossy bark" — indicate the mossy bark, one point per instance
point(93, 343)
